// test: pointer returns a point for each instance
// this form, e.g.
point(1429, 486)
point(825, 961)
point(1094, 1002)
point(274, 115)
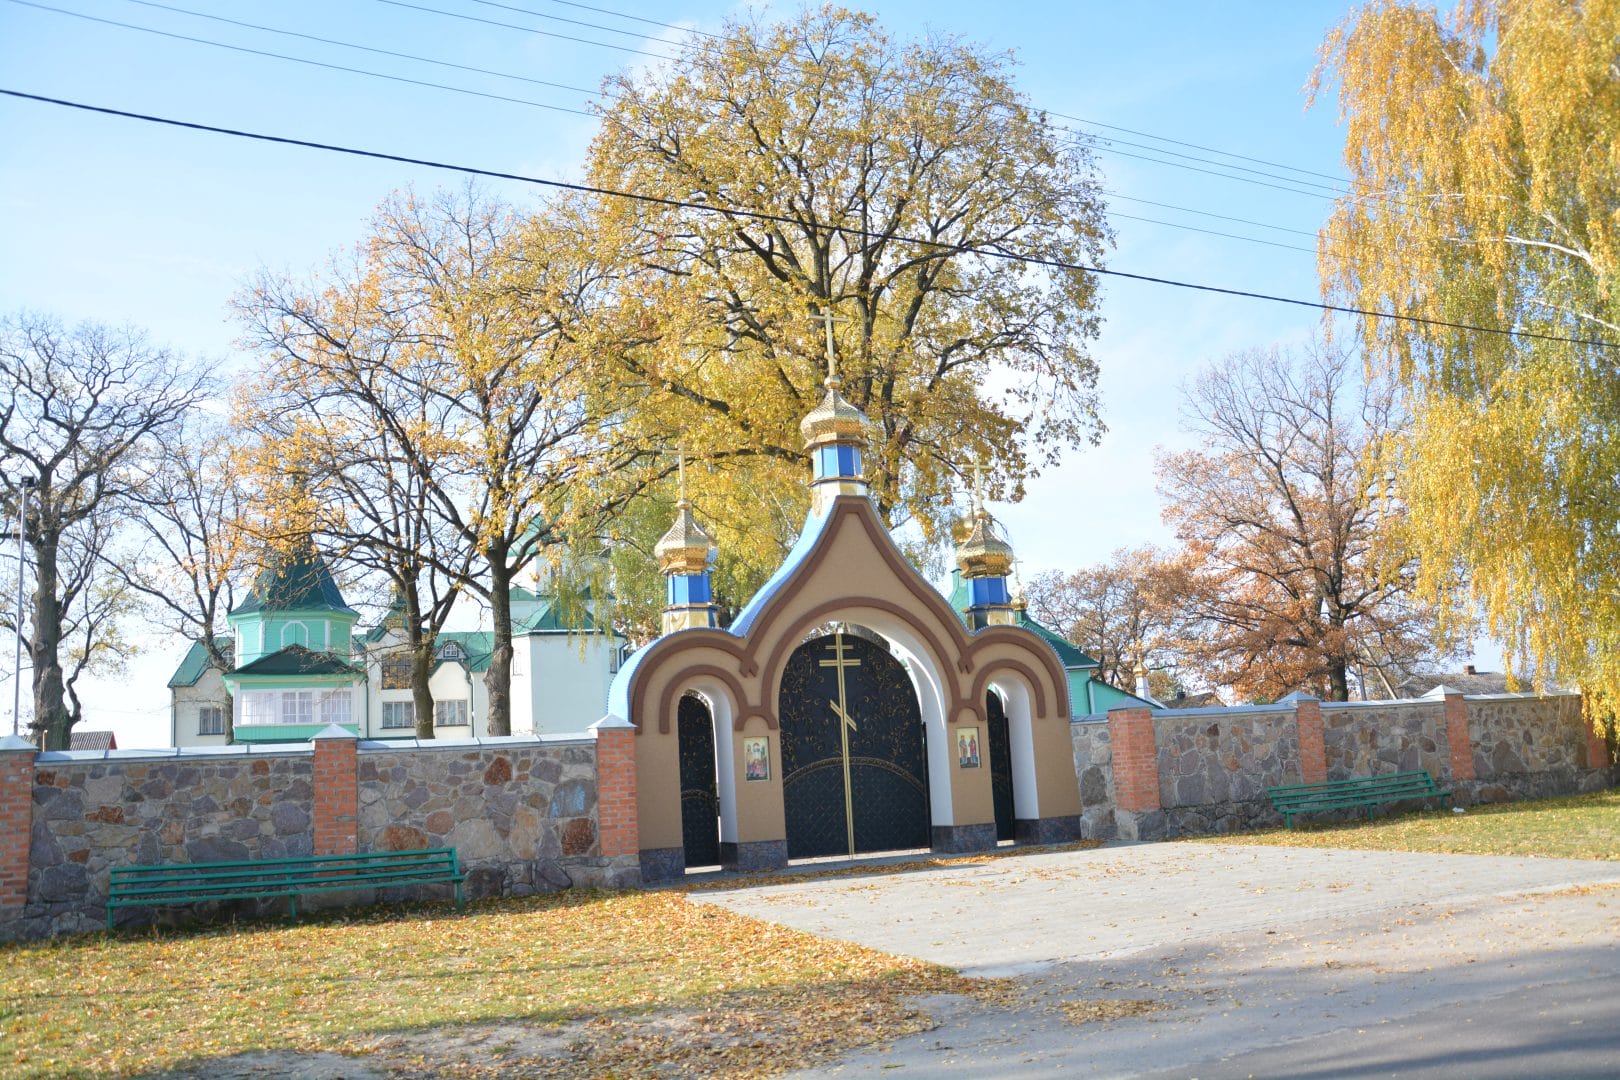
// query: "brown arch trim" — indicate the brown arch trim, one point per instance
point(681, 681)
point(666, 653)
point(1030, 644)
point(981, 682)
point(927, 596)
point(776, 663)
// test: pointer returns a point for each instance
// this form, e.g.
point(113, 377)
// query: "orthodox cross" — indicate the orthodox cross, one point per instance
point(680, 471)
point(826, 317)
point(846, 724)
point(978, 469)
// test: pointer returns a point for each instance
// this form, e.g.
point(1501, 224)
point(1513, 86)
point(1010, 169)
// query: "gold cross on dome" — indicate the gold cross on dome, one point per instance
point(978, 469)
point(826, 317)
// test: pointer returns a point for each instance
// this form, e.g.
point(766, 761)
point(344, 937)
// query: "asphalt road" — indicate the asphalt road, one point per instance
point(1215, 961)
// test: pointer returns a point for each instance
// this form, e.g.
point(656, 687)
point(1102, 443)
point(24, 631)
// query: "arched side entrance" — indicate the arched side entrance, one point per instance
point(1001, 771)
point(854, 768)
point(700, 794)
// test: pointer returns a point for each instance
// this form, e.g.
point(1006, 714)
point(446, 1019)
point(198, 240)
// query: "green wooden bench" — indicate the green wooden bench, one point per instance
point(1368, 791)
point(189, 883)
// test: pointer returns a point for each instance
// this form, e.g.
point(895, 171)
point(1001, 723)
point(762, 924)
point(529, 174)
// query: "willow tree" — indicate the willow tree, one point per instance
point(1484, 154)
point(823, 168)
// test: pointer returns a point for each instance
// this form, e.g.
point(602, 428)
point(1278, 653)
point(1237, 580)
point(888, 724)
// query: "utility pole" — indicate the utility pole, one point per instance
point(25, 484)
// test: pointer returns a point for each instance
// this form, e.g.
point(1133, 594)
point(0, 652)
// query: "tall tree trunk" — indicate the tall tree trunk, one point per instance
point(1338, 679)
point(498, 679)
point(51, 723)
point(421, 647)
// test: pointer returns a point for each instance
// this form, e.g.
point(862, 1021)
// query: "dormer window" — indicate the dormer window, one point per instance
point(451, 650)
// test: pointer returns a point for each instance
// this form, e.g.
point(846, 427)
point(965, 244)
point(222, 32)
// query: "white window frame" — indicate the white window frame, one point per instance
point(405, 709)
point(458, 706)
point(214, 713)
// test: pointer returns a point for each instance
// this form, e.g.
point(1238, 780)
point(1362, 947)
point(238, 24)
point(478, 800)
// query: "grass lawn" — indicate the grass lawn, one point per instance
point(1575, 827)
point(615, 984)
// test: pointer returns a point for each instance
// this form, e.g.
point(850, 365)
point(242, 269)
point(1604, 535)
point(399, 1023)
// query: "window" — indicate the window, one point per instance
point(297, 706)
point(449, 713)
point(616, 656)
point(211, 720)
point(450, 650)
point(396, 670)
point(399, 714)
point(335, 706)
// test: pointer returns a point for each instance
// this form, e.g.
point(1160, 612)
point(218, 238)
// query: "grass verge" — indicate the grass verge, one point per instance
point(1574, 827)
point(598, 984)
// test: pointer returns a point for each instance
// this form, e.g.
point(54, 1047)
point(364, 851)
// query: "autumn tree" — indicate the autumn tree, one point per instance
point(1290, 534)
point(1484, 154)
point(825, 168)
point(187, 560)
point(1127, 610)
point(460, 359)
point(81, 412)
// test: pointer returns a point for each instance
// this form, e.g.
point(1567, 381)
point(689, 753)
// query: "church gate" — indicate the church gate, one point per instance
point(700, 798)
point(999, 736)
point(854, 768)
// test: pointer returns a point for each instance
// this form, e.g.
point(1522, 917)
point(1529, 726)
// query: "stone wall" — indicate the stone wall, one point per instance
point(522, 818)
point(1528, 748)
point(1215, 766)
point(522, 814)
point(1382, 738)
point(1094, 764)
point(126, 809)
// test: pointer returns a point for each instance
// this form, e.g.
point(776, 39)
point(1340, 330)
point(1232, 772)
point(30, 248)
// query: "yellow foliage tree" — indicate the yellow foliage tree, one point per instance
point(818, 151)
point(1484, 153)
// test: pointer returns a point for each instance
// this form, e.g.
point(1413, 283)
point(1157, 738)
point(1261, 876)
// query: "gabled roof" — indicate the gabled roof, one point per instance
point(195, 663)
point(297, 660)
point(92, 740)
point(1071, 656)
point(477, 647)
point(550, 619)
point(300, 581)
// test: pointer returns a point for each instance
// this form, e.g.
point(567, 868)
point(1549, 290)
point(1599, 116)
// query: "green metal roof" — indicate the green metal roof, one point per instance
point(297, 660)
point(477, 646)
point(548, 619)
point(298, 582)
point(195, 662)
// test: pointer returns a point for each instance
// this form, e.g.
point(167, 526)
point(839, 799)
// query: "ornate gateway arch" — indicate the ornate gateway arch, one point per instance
point(790, 743)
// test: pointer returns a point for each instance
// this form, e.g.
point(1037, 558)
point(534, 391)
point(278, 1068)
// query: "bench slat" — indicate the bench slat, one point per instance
point(179, 883)
point(1368, 791)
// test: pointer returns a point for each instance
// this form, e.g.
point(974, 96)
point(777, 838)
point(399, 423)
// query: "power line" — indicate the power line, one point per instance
point(636, 18)
point(361, 48)
point(311, 63)
point(540, 82)
point(755, 215)
point(528, 29)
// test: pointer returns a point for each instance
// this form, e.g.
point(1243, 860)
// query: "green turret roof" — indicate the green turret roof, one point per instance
point(297, 660)
point(300, 581)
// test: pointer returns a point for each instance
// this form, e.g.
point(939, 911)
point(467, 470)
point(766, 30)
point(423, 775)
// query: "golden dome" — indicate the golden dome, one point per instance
point(984, 554)
point(685, 548)
point(834, 420)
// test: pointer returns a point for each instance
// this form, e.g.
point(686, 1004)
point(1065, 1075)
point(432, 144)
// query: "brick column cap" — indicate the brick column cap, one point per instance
point(334, 731)
point(1441, 690)
point(16, 744)
point(1296, 697)
point(612, 723)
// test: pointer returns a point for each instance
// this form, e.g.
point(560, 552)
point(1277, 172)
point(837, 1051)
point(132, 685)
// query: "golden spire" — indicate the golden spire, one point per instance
point(983, 554)
point(685, 548)
point(835, 419)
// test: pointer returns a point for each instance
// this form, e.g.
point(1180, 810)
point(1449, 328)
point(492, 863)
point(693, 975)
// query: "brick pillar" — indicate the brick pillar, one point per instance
point(1462, 745)
point(1136, 759)
point(1312, 748)
point(616, 787)
point(1597, 747)
point(16, 819)
point(337, 792)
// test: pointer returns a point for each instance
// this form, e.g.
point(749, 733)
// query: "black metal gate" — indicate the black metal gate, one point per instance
point(1001, 780)
point(700, 801)
point(854, 772)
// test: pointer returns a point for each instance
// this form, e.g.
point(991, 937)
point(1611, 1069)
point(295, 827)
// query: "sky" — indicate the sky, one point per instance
point(121, 221)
